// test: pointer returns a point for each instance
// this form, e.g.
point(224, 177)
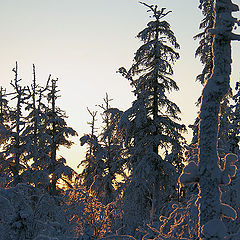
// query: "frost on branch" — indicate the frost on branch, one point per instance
point(182, 223)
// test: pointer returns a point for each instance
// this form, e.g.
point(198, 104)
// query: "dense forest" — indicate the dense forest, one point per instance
point(139, 178)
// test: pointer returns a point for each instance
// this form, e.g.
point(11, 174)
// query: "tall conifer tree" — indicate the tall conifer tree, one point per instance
point(59, 133)
point(104, 159)
point(151, 123)
point(14, 148)
point(204, 50)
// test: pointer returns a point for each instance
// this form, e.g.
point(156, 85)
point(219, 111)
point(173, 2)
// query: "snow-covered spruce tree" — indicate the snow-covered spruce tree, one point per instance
point(104, 158)
point(93, 163)
point(111, 139)
point(4, 114)
point(204, 51)
point(58, 132)
point(206, 39)
point(35, 117)
point(5, 174)
point(36, 139)
point(14, 148)
point(28, 212)
point(151, 123)
point(207, 172)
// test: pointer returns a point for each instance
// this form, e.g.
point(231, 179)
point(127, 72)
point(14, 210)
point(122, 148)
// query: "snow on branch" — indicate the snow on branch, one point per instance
point(190, 174)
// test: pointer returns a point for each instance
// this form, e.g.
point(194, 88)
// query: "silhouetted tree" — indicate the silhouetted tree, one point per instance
point(14, 148)
point(58, 132)
point(151, 123)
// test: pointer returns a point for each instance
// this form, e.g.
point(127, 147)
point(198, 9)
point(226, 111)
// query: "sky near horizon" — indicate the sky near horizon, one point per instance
point(83, 43)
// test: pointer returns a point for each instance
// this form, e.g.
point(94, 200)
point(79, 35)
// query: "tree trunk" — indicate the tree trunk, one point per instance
point(214, 91)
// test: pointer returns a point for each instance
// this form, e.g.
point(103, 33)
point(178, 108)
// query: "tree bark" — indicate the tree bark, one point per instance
point(215, 89)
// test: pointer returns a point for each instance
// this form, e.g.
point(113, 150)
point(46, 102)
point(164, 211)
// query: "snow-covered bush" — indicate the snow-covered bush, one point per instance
point(27, 213)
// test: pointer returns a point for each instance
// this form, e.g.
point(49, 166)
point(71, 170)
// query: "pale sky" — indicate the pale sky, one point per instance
point(83, 43)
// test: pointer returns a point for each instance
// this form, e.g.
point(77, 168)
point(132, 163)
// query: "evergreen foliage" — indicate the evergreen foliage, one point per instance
point(204, 50)
point(31, 133)
point(130, 186)
point(151, 124)
point(93, 163)
point(104, 160)
point(14, 148)
point(58, 134)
